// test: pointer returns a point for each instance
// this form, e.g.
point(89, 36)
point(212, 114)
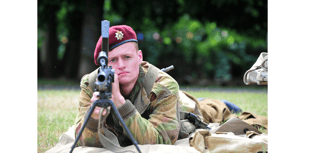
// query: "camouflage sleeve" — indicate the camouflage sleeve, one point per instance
point(90, 135)
point(162, 126)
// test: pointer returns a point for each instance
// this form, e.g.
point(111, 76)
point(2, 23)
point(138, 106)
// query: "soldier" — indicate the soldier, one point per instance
point(150, 117)
point(148, 99)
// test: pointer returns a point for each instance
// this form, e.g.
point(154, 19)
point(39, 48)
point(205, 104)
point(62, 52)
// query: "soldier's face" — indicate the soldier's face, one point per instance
point(125, 60)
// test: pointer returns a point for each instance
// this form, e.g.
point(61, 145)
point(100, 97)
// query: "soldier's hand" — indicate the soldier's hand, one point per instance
point(117, 97)
point(96, 111)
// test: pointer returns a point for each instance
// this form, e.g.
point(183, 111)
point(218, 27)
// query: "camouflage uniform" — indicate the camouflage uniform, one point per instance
point(150, 120)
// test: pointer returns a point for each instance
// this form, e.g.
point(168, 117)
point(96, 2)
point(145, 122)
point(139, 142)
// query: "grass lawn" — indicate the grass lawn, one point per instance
point(57, 110)
point(56, 113)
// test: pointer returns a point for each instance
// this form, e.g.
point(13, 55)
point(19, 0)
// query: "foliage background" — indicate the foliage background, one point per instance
point(206, 40)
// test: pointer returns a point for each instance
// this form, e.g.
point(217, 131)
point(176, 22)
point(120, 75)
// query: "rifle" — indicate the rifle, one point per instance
point(167, 69)
point(194, 120)
point(104, 82)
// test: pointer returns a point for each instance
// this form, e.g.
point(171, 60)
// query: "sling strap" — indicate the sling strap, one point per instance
point(108, 140)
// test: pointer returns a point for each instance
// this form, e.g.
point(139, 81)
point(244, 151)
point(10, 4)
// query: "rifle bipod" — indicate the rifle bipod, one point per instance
point(104, 103)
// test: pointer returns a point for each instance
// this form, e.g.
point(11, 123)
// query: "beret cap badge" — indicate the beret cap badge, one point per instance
point(119, 35)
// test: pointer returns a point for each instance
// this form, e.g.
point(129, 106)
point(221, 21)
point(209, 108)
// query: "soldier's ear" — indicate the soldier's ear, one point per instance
point(140, 55)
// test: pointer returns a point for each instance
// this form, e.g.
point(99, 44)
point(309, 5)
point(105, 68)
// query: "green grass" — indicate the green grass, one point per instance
point(57, 110)
point(57, 82)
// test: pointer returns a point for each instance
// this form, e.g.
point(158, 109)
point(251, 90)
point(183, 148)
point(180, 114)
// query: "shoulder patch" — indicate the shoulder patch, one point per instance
point(84, 81)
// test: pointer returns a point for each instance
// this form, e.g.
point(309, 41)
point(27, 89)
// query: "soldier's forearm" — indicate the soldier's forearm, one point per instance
point(162, 126)
point(127, 110)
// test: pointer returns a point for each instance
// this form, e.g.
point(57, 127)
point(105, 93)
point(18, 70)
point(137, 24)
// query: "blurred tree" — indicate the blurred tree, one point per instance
point(73, 21)
point(68, 32)
point(145, 15)
point(91, 25)
point(48, 23)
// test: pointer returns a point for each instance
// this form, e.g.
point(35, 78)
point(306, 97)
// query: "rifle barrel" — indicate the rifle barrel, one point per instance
point(167, 69)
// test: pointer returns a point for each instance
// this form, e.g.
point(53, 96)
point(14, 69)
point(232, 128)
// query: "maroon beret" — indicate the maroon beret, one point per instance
point(118, 35)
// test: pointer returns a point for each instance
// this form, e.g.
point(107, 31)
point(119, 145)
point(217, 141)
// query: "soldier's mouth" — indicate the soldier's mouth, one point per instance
point(122, 73)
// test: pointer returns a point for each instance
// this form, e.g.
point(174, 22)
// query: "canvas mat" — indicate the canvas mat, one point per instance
point(203, 141)
point(66, 141)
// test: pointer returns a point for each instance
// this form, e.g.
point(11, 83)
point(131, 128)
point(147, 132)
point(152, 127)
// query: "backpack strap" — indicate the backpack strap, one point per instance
point(143, 99)
point(150, 78)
